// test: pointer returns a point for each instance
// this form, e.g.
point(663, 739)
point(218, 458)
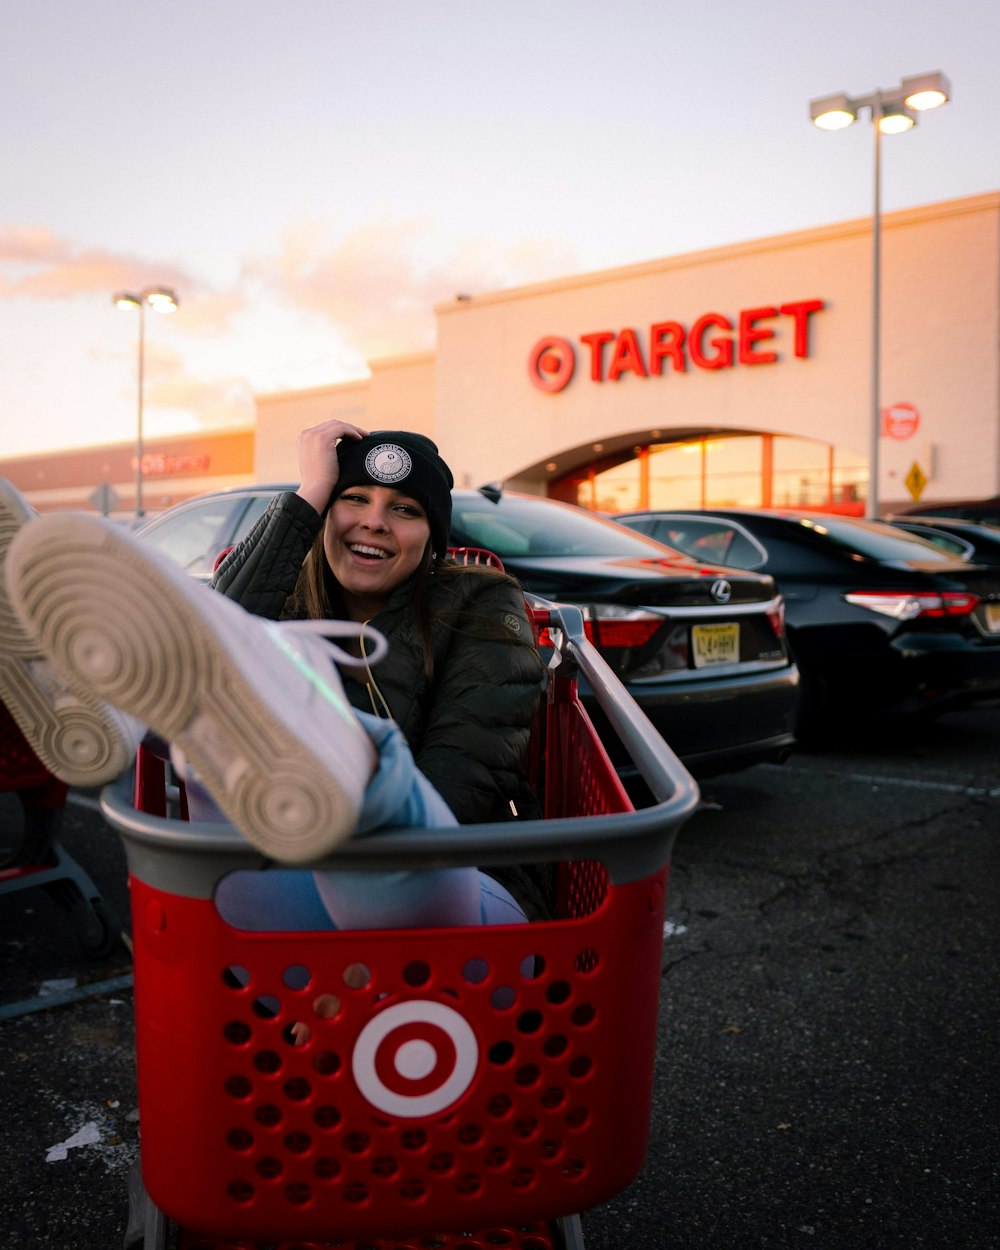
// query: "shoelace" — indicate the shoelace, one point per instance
point(280, 632)
point(341, 629)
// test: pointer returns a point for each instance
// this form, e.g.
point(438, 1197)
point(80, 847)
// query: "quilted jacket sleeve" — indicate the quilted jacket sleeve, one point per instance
point(487, 688)
point(261, 572)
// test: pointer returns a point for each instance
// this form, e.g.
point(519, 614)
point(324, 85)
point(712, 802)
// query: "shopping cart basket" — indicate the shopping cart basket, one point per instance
point(495, 1078)
point(37, 859)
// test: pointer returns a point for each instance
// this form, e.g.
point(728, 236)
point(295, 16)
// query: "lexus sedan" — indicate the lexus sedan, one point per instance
point(879, 620)
point(701, 649)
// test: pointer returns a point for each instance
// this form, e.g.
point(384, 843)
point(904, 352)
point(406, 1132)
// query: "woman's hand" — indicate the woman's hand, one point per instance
point(319, 467)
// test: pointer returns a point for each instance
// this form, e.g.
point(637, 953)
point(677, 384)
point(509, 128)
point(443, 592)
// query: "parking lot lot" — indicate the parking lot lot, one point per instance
point(827, 1060)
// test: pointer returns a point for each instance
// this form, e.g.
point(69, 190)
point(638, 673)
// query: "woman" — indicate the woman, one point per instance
point(364, 538)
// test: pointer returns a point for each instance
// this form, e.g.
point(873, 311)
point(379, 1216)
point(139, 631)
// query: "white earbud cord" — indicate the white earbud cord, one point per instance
point(371, 685)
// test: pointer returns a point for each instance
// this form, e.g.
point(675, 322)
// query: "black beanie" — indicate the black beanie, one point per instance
point(406, 462)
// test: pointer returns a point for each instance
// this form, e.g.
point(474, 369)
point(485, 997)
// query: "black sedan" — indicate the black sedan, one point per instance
point(971, 540)
point(879, 620)
point(701, 649)
point(986, 511)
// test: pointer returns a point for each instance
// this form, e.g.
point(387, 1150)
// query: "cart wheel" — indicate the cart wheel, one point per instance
point(95, 928)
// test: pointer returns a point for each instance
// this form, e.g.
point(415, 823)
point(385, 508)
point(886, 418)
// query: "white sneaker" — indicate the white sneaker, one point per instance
point(257, 707)
point(79, 738)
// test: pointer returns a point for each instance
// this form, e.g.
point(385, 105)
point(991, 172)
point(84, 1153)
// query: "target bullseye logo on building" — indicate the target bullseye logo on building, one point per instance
point(415, 1058)
point(551, 363)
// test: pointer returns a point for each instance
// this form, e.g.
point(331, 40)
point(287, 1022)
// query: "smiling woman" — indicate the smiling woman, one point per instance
point(365, 538)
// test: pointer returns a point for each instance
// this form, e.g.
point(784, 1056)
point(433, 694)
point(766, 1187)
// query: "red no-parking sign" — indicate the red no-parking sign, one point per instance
point(900, 420)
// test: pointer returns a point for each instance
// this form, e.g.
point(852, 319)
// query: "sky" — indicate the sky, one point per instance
point(312, 176)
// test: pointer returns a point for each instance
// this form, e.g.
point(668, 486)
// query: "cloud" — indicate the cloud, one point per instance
point(376, 286)
point(211, 312)
point(226, 401)
point(48, 267)
point(32, 244)
point(379, 284)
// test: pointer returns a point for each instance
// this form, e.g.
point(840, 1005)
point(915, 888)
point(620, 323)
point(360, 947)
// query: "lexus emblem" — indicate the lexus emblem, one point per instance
point(722, 591)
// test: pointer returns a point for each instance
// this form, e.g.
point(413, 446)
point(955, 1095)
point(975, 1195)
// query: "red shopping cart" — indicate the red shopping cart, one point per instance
point(37, 859)
point(495, 1078)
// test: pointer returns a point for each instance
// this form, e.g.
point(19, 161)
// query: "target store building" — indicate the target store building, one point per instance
point(738, 375)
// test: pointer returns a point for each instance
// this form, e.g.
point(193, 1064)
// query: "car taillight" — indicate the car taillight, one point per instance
point(776, 616)
point(608, 626)
point(907, 605)
point(612, 633)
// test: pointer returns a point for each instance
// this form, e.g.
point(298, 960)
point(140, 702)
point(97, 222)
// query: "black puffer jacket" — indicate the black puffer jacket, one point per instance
point(468, 727)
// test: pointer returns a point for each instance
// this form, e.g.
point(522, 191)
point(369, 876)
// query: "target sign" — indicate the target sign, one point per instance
point(550, 363)
point(415, 1058)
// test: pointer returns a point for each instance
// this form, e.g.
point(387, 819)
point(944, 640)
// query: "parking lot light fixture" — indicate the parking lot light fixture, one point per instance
point(161, 299)
point(895, 118)
point(833, 112)
point(892, 111)
point(926, 91)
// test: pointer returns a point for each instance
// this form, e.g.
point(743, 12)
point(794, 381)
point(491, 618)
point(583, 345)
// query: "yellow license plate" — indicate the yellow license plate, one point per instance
point(715, 644)
point(993, 617)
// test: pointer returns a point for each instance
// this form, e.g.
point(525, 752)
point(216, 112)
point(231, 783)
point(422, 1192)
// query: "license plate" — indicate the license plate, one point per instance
point(993, 617)
point(715, 644)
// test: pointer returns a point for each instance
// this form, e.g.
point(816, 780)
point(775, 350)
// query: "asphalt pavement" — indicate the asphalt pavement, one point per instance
point(826, 1073)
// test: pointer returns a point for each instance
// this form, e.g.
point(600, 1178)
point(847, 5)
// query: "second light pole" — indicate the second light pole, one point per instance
point(160, 299)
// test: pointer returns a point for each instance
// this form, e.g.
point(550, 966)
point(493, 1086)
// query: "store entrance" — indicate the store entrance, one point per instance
point(724, 469)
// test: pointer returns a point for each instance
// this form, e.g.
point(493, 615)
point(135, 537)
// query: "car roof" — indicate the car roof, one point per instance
point(778, 514)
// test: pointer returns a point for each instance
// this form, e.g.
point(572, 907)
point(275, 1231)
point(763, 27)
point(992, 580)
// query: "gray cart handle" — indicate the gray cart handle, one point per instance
point(188, 858)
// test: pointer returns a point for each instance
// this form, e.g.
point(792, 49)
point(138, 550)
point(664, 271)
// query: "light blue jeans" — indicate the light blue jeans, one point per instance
point(398, 796)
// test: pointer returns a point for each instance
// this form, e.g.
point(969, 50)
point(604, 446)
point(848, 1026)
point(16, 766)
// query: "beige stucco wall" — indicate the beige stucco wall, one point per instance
point(940, 352)
point(399, 395)
point(941, 303)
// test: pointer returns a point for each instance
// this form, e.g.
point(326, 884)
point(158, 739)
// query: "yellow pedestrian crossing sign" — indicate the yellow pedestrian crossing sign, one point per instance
point(915, 481)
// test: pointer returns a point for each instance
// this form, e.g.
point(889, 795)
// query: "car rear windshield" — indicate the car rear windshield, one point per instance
point(876, 540)
point(522, 527)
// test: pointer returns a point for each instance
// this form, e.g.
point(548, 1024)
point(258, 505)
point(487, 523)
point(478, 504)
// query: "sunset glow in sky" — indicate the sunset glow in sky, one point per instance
point(312, 176)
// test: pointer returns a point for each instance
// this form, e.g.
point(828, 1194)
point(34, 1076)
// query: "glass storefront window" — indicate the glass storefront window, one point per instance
point(675, 475)
point(801, 473)
point(733, 472)
point(720, 471)
point(614, 490)
point(850, 477)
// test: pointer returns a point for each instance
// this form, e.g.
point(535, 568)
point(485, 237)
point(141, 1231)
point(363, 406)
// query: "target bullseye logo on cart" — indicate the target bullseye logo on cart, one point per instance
point(415, 1058)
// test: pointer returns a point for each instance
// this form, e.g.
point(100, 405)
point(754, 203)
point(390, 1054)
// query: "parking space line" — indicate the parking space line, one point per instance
point(913, 783)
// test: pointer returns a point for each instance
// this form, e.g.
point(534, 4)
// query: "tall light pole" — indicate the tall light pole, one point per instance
point(160, 299)
point(892, 112)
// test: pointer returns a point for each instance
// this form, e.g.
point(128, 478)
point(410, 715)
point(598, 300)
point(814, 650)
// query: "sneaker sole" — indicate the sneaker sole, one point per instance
point(160, 658)
point(74, 737)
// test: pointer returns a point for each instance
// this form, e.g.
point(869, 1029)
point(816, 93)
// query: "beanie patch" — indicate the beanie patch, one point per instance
point(388, 463)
